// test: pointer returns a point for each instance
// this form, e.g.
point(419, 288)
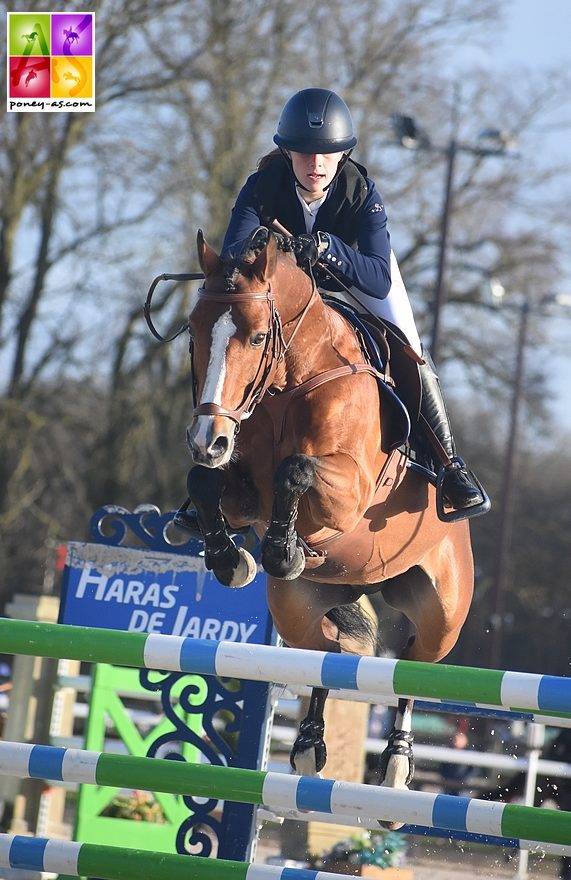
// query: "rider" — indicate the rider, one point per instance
point(336, 215)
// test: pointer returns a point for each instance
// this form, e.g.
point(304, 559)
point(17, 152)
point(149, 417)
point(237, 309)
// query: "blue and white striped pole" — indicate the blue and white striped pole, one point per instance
point(281, 792)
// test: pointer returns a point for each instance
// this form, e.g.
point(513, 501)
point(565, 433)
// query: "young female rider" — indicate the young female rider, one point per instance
point(337, 217)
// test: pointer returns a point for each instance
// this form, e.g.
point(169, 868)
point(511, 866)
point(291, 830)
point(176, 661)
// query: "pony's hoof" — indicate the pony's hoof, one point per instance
point(304, 764)
point(309, 752)
point(396, 769)
point(392, 826)
point(242, 575)
point(282, 569)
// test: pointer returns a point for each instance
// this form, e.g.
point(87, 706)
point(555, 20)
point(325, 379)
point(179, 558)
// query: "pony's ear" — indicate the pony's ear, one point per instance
point(207, 256)
point(264, 265)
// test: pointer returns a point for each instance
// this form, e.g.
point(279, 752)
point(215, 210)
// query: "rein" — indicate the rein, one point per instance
point(274, 352)
point(192, 276)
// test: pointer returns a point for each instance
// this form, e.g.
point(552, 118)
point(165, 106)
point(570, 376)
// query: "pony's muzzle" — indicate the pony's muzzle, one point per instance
point(208, 446)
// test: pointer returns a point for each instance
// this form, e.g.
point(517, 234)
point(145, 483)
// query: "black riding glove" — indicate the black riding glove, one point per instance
point(305, 248)
point(281, 241)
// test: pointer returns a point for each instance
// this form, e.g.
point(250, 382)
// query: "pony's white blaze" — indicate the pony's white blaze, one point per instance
point(223, 330)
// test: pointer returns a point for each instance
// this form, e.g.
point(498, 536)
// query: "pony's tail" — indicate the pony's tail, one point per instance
point(354, 623)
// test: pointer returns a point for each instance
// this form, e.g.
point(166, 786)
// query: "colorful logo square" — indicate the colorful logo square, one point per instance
point(29, 77)
point(72, 77)
point(50, 61)
point(72, 34)
point(29, 33)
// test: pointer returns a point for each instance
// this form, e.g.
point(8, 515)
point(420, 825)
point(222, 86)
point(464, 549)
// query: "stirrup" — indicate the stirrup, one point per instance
point(468, 512)
point(188, 521)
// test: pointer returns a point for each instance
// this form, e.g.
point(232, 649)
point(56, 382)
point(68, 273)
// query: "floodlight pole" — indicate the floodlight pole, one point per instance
point(439, 290)
point(506, 497)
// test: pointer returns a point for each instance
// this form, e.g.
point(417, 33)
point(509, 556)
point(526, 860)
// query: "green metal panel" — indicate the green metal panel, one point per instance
point(109, 682)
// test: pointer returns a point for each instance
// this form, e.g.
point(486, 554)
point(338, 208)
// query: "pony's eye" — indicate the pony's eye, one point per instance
point(258, 338)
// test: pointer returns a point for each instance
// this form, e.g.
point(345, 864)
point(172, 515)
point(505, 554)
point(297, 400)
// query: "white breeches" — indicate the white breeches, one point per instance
point(395, 307)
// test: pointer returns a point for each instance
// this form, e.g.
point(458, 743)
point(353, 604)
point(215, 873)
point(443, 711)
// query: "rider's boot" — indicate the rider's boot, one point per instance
point(459, 488)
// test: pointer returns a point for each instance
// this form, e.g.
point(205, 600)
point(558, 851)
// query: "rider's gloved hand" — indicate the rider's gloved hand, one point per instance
point(305, 249)
point(309, 247)
point(281, 240)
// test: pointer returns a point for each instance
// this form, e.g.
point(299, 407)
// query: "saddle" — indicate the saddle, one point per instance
point(401, 390)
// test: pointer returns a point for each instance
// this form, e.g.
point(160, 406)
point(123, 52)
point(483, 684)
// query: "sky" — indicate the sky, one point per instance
point(537, 35)
point(536, 32)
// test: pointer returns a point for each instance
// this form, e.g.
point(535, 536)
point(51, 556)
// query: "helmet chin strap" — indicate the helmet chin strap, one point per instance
point(335, 176)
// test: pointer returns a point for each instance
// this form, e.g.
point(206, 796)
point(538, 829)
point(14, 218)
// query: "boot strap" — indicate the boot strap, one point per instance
point(436, 444)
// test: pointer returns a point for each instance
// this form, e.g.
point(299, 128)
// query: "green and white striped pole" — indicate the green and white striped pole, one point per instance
point(372, 675)
point(114, 863)
point(280, 791)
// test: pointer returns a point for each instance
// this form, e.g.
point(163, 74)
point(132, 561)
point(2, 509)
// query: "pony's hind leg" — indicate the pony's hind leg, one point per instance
point(282, 557)
point(396, 763)
point(322, 617)
point(437, 606)
point(232, 565)
point(309, 752)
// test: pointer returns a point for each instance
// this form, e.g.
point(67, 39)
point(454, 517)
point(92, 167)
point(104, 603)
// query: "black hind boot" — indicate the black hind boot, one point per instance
point(459, 488)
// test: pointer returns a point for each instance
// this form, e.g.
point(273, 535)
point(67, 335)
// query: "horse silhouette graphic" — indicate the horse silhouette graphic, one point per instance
point(70, 36)
point(71, 76)
point(30, 38)
point(32, 75)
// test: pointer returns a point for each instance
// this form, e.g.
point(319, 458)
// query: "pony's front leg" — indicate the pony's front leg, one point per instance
point(232, 565)
point(282, 557)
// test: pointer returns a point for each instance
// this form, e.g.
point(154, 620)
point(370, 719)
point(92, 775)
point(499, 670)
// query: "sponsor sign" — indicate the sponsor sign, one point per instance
point(147, 591)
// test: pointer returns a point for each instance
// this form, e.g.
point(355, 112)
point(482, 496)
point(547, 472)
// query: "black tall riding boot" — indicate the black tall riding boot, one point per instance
point(458, 487)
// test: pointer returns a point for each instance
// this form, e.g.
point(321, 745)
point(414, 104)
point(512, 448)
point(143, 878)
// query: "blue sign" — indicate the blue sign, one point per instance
point(149, 591)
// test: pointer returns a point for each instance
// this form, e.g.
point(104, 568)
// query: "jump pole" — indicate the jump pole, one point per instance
point(374, 675)
point(279, 791)
point(371, 824)
point(114, 863)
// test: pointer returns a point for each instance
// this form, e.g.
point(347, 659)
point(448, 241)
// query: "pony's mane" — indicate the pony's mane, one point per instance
point(233, 264)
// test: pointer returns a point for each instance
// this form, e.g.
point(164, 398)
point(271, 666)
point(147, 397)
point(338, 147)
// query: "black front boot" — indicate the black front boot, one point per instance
point(459, 489)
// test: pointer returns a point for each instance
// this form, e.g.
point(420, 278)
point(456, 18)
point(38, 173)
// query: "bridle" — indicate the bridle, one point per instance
point(274, 352)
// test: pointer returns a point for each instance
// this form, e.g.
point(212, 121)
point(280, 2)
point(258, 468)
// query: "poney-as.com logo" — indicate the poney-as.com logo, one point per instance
point(51, 62)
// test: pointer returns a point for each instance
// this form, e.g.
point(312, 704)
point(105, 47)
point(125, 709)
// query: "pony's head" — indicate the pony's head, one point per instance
point(235, 343)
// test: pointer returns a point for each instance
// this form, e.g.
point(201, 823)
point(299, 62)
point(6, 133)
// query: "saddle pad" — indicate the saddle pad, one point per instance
point(396, 422)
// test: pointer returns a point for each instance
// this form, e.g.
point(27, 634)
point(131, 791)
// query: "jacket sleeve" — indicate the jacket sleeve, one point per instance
point(243, 221)
point(369, 267)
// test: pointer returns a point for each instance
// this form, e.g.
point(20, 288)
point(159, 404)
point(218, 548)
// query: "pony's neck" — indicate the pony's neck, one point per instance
point(308, 331)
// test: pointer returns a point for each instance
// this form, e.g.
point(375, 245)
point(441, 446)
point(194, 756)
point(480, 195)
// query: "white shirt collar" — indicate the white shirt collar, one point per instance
point(310, 211)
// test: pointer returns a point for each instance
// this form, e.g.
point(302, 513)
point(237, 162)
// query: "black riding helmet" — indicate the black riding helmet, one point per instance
point(315, 121)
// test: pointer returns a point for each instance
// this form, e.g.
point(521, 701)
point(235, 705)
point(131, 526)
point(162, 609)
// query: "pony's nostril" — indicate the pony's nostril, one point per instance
point(219, 447)
point(189, 441)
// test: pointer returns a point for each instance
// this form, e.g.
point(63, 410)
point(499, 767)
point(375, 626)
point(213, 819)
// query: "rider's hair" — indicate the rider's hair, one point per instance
point(269, 158)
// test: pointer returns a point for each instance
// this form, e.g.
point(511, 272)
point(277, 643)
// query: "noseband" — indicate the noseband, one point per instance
point(273, 354)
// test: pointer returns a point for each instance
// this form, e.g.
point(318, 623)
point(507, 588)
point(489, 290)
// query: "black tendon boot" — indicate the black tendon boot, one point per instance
point(459, 488)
